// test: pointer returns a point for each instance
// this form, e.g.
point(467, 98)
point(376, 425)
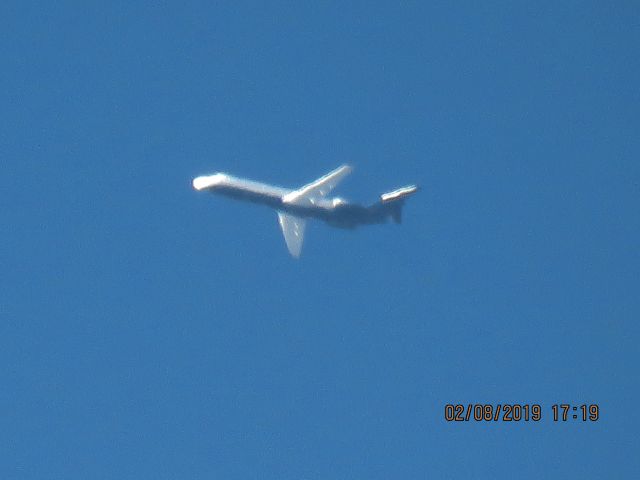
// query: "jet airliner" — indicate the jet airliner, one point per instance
point(295, 207)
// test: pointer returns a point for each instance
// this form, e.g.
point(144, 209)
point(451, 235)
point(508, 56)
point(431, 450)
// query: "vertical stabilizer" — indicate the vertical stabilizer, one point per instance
point(394, 201)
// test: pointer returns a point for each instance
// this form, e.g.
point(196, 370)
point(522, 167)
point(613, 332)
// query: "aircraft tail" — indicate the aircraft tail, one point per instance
point(393, 201)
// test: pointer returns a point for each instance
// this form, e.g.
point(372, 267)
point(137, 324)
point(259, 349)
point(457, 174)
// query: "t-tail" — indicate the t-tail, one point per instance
point(392, 202)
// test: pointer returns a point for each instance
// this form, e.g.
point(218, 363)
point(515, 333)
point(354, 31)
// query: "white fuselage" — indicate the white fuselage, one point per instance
point(294, 207)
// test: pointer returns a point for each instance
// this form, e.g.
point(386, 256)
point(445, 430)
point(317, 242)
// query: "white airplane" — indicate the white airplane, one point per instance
point(294, 207)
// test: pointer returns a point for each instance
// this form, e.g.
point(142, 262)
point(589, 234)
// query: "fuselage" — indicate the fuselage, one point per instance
point(334, 211)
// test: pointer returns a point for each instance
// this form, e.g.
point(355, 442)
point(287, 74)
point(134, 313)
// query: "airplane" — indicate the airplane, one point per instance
point(295, 207)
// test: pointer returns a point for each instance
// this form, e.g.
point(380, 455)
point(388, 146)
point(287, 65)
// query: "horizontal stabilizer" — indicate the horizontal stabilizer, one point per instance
point(398, 194)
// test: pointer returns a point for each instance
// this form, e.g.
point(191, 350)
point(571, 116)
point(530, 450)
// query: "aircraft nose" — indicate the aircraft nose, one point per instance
point(209, 181)
point(200, 183)
point(204, 182)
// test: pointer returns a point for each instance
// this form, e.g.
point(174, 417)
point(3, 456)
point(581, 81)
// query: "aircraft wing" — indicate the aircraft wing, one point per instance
point(293, 231)
point(318, 188)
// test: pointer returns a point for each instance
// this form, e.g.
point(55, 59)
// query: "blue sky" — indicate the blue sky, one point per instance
point(148, 331)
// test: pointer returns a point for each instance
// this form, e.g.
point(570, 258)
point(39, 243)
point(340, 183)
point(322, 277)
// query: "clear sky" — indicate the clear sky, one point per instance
point(151, 331)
